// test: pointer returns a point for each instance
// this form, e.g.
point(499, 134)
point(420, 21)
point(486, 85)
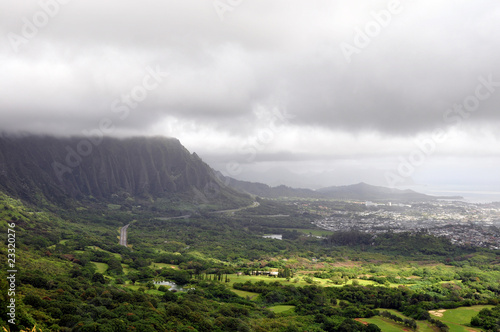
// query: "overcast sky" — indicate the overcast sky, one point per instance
point(336, 91)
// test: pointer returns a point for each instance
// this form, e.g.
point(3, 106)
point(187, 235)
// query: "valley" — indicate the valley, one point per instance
point(214, 258)
point(249, 166)
point(223, 260)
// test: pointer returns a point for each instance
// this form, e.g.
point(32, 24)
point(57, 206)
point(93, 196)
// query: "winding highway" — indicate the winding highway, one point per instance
point(123, 235)
point(253, 205)
point(123, 230)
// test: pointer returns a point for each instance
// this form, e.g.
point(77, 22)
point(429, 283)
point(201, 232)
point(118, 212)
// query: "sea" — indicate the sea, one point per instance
point(470, 195)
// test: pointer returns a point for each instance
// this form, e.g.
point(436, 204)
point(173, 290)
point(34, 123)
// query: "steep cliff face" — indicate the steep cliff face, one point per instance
point(56, 169)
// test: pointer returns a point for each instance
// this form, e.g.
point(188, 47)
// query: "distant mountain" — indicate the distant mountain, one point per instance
point(263, 190)
point(360, 191)
point(366, 192)
point(39, 168)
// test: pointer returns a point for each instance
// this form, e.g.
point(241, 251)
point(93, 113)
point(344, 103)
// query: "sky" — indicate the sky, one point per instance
point(304, 93)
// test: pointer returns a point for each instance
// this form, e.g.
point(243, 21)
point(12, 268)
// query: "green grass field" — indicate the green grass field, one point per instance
point(252, 296)
point(133, 287)
point(364, 282)
point(423, 326)
point(118, 256)
point(282, 308)
point(154, 292)
point(385, 325)
point(458, 319)
point(315, 232)
point(394, 312)
point(101, 267)
point(126, 268)
point(156, 266)
point(301, 282)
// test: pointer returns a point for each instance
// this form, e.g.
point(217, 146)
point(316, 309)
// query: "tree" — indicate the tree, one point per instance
point(98, 278)
point(169, 296)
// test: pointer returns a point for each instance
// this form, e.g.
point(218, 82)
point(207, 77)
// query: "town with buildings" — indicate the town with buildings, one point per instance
point(461, 222)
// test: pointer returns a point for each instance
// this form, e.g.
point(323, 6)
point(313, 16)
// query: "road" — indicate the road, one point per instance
point(123, 235)
point(186, 216)
point(253, 205)
point(123, 230)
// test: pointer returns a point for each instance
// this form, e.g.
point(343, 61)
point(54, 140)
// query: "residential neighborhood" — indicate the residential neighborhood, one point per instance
point(463, 223)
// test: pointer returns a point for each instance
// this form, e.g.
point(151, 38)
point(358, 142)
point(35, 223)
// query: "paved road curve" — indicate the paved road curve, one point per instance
point(253, 205)
point(186, 216)
point(123, 235)
point(123, 231)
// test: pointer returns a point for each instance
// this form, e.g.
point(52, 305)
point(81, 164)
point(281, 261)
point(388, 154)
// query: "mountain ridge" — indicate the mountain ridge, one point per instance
point(57, 169)
point(359, 191)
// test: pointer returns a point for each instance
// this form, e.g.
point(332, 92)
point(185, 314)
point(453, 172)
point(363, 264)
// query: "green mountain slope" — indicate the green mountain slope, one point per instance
point(42, 169)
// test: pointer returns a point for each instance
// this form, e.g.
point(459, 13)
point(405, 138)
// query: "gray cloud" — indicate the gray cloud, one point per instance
point(286, 54)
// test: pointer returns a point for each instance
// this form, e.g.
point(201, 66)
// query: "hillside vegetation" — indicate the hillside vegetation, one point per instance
point(73, 275)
